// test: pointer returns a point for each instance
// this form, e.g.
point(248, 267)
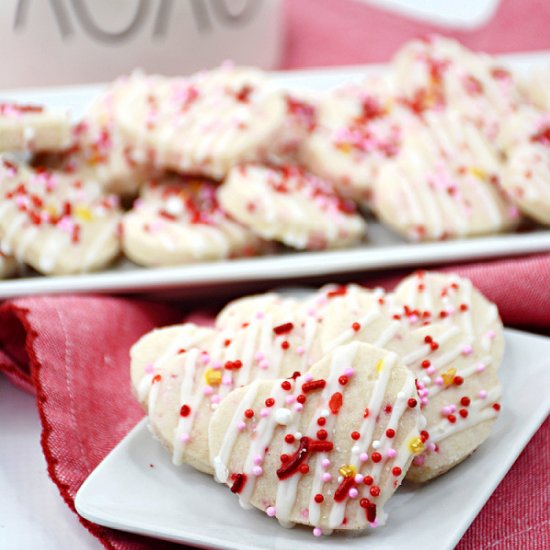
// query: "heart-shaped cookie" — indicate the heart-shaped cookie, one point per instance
point(326, 449)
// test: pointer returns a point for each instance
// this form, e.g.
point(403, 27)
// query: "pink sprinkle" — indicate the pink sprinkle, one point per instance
point(467, 350)
point(363, 457)
point(185, 438)
point(446, 410)
point(149, 369)
point(325, 463)
point(353, 492)
point(289, 399)
point(258, 460)
point(491, 335)
point(264, 412)
point(317, 532)
point(452, 408)
point(260, 315)
point(217, 364)
point(431, 446)
point(308, 377)
point(413, 319)
point(300, 350)
point(227, 380)
point(359, 478)
point(270, 511)
point(326, 477)
point(241, 426)
point(264, 364)
point(259, 355)
point(205, 358)
point(215, 399)
point(349, 371)
point(482, 394)
point(374, 524)
point(419, 460)
point(391, 453)
point(424, 401)
point(298, 407)
point(439, 381)
point(430, 369)
point(480, 367)
point(208, 390)
point(257, 471)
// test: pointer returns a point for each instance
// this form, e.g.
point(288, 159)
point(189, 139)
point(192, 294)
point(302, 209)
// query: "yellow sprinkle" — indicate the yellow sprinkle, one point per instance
point(380, 365)
point(347, 470)
point(52, 211)
point(416, 445)
point(448, 377)
point(344, 147)
point(83, 213)
point(213, 377)
point(478, 172)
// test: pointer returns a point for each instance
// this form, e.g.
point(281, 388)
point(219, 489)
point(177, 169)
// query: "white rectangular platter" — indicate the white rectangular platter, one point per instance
point(384, 249)
point(137, 489)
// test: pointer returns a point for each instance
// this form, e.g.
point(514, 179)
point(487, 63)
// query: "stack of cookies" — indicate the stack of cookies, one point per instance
point(315, 409)
point(223, 164)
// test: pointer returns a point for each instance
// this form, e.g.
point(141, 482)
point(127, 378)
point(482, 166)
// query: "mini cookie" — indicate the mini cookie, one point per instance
point(444, 183)
point(56, 223)
point(100, 152)
point(326, 449)
point(33, 128)
point(204, 124)
point(8, 266)
point(182, 394)
point(179, 221)
point(358, 128)
point(437, 73)
point(526, 177)
point(289, 205)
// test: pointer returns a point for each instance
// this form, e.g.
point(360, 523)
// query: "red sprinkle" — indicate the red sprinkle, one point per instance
point(463, 413)
point(322, 434)
point(289, 438)
point(355, 435)
point(465, 401)
point(412, 403)
point(335, 402)
point(356, 326)
point(376, 456)
point(269, 402)
point(285, 345)
point(319, 498)
point(342, 491)
point(249, 413)
point(424, 436)
point(321, 446)
point(458, 380)
point(390, 433)
point(463, 307)
point(368, 480)
point(396, 471)
point(425, 364)
point(286, 385)
point(156, 378)
point(343, 380)
point(185, 410)
point(428, 339)
point(313, 385)
point(283, 329)
point(291, 465)
point(321, 421)
point(451, 418)
point(370, 512)
point(496, 406)
point(301, 399)
point(238, 483)
point(340, 291)
point(304, 469)
point(375, 490)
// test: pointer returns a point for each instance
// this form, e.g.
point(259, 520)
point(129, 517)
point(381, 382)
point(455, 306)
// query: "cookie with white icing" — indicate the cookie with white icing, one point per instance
point(436, 73)
point(56, 223)
point(178, 221)
point(203, 124)
point(326, 449)
point(358, 128)
point(183, 391)
point(99, 150)
point(444, 183)
point(289, 205)
point(33, 128)
point(8, 266)
point(526, 141)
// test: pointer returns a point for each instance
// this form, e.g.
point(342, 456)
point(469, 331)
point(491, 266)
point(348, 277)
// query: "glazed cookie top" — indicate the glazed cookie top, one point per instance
point(73, 213)
point(203, 124)
point(325, 449)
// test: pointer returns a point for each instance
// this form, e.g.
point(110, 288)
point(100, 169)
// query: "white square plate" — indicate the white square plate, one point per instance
point(137, 489)
point(384, 249)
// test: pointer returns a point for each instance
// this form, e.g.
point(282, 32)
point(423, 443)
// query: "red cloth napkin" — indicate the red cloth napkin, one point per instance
point(73, 352)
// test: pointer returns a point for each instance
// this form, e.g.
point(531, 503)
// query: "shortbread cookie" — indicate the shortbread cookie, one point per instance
point(33, 128)
point(99, 150)
point(179, 221)
point(8, 266)
point(182, 393)
point(56, 223)
point(526, 141)
point(204, 124)
point(358, 128)
point(437, 73)
point(289, 205)
point(326, 449)
point(444, 183)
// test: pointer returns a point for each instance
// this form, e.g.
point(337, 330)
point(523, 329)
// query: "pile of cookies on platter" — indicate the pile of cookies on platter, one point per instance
point(223, 164)
point(314, 409)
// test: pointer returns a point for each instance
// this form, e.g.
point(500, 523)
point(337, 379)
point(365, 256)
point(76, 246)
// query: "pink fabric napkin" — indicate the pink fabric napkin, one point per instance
point(73, 352)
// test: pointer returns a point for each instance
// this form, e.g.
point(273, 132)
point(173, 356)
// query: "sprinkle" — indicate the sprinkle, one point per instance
point(227, 379)
point(412, 403)
point(263, 364)
point(380, 365)
point(376, 457)
point(355, 435)
point(353, 493)
point(317, 532)
point(416, 445)
point(482, 394)
point(270, 511)
point(375, 490)
point(467, 350)
point(313, 385)
point(319, 498)
point(325, 463)
point(349, 371)
point(185, 410)
point(439, 381)
point(391, 453)
point(431, 370)
point(347, 470)
point(298, 407)
point(249, 413)
point(396, 471)
point(368, 480)
point(376, 444)
point(363, 457)
point(258, 459)
point(257, 471)
point(356, 326)
point(282, 416)
point(207, 390)
point(480, 367)
point(241, 425)
point(343, 380)
point(283, 329)
point(335, 402)
point(448, 376)
point(326, 477)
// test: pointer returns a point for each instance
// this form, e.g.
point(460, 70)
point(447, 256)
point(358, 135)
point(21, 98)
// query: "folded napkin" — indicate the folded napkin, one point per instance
point(72, 351)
